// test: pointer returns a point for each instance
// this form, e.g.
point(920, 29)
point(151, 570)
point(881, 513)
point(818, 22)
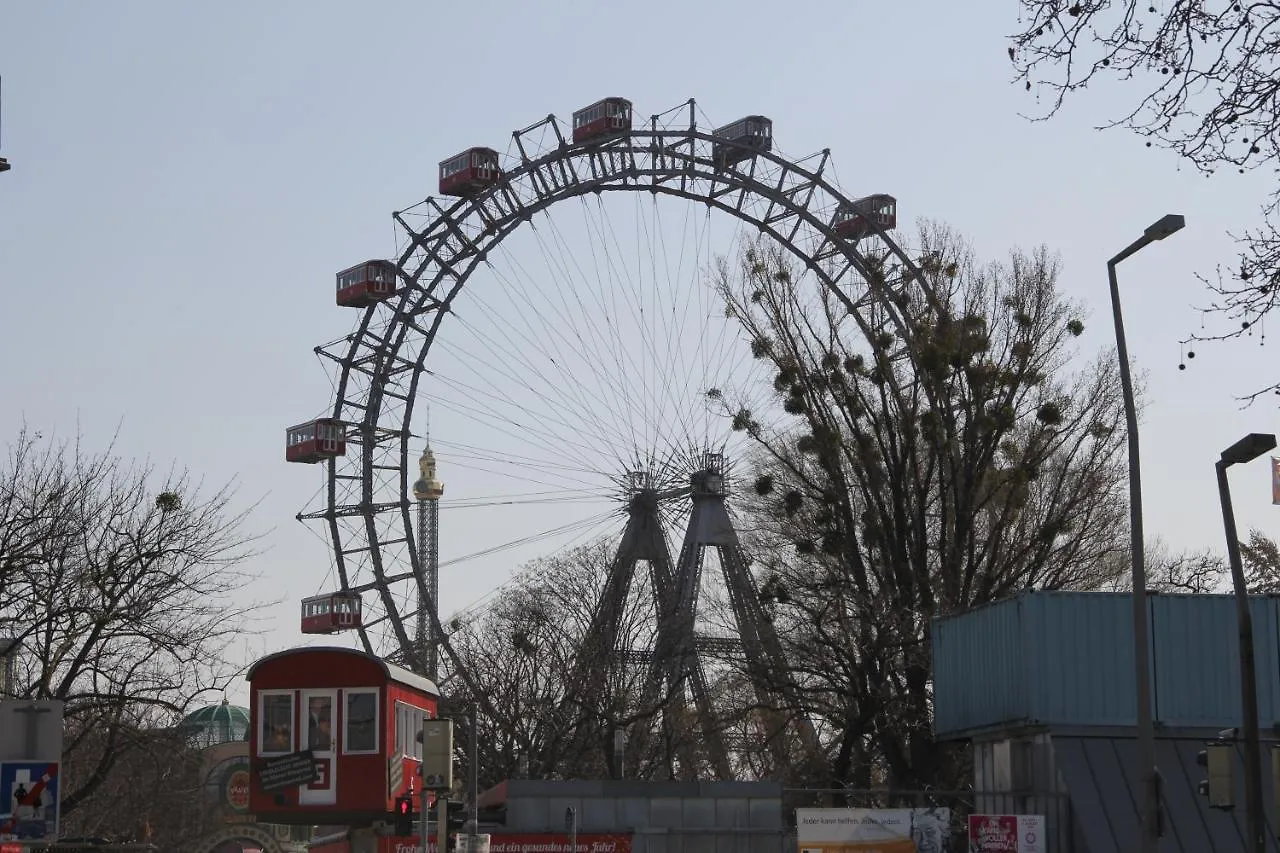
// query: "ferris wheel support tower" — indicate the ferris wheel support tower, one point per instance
point(428, 490)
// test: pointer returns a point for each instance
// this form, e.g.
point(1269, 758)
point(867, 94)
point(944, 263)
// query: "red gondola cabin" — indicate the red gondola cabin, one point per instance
point(366, 283)
point(602, 120)
point(335, 611)
point(470, 172)
point(741, 140)
point(315, 441)
point(333, 735)
point(855, 220)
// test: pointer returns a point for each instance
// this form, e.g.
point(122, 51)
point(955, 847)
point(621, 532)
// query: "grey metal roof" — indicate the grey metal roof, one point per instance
point(1098, 774)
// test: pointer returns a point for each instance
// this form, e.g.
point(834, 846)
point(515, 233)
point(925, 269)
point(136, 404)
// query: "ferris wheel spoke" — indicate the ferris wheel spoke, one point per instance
point(536, 332)
point(547, 388)
point(592, 362)
point(504, 423)
point(604, 336)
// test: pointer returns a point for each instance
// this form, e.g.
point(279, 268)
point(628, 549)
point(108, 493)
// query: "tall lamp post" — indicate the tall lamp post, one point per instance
point(1150, 798)
point(1246, 449)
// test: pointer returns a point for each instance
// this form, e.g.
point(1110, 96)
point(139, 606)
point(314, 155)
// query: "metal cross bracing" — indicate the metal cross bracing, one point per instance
point(676, 685)
point(368, 505)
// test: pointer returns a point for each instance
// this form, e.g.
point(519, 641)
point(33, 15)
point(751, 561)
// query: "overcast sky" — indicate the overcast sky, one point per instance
point(188, 177)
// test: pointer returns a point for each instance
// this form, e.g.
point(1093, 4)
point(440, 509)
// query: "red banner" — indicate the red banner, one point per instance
point(511, 842)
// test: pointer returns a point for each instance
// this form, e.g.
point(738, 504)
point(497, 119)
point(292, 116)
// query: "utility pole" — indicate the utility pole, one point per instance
point(473, 781)
point(4, 164)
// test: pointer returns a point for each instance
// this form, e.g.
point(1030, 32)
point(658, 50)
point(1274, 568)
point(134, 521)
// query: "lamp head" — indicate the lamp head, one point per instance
point(1164, 226)
point(1249, 448)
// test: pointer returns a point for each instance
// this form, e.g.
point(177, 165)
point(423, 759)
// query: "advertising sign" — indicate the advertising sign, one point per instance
point(236, 789)
point(922, 830)
point(296, 768)
point(28, 801)
point(508, 842)
point(1006, 833)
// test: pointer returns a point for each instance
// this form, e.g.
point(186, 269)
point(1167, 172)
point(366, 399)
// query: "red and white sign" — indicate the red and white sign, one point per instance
point(504, 842)
point(238, 790)
point(1006, 833)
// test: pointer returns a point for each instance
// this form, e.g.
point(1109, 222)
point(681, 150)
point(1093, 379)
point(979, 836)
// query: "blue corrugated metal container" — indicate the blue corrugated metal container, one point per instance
point(1066, 658)
point(1197, 654)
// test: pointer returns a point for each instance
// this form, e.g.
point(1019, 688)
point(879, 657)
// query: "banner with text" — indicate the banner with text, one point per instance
point(921, 830)
point(511, 842)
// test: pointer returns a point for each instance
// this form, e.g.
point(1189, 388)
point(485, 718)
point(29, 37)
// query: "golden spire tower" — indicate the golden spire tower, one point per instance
point(427, 490)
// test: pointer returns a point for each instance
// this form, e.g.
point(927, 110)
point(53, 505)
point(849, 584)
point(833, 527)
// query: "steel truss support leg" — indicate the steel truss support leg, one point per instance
point(642, 539)
point(678, 659)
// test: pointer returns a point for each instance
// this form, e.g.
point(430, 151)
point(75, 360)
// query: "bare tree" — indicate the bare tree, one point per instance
point(117, 582)
point(521, 651)
point(1207, 82)
point(953, 457)
point(151, 794)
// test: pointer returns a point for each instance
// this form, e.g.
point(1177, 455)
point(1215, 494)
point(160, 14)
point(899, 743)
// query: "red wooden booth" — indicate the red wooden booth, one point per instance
point(333, 735)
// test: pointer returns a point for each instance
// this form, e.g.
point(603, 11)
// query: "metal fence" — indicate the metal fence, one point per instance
point(1056, 809)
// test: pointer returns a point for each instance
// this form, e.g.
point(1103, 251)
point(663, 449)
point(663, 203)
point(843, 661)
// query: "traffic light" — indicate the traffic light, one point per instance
point(404, 816)
point(456, 816)
point(1218, 760)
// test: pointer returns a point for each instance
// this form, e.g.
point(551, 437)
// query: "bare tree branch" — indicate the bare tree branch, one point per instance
point(1207, 77)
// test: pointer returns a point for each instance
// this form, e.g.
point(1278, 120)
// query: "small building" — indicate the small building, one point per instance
point(1042, 686)
point(333, 735)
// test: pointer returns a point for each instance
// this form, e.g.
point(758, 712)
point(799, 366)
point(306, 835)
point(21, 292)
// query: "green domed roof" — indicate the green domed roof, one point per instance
point(216, 724)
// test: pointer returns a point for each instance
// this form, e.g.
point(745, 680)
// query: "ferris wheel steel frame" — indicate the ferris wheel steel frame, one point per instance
point(369, 505)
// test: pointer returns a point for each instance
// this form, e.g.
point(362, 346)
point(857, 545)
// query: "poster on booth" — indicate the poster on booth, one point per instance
point(28, 801)
point(921, 830)
point(1006, 833)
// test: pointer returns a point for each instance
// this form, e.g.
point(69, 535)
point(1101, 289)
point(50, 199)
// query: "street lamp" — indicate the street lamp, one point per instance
point(1150, 798)
point(1246, 449)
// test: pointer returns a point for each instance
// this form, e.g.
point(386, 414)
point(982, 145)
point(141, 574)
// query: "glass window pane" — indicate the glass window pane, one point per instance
point(320, 723)
point(362, 722)
point(277, 724)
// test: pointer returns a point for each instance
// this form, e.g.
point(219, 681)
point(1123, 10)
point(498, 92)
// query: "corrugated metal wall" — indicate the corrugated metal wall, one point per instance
point(977, 687)
point(665, 817)
point(1080, 655)
point(1066, 658)
point(1197, 659)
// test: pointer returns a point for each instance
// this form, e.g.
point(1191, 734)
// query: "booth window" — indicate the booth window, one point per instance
point(277, 724)
point(361, 721)
point(408, 727)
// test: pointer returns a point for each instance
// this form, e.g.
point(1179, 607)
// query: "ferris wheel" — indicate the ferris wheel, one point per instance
point(552, 308)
